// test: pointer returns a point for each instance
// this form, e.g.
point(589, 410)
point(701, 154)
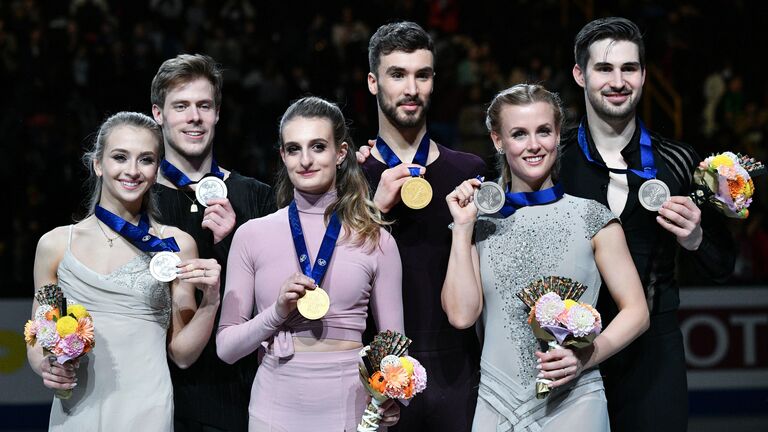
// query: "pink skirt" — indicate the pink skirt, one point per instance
point(317, 391)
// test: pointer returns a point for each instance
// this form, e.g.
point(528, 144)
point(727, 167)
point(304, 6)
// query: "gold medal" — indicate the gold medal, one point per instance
point(416, 193)
point(314, 303)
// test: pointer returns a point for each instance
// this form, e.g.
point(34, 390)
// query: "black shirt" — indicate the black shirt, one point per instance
point(653, 249)
point(424, 241)
point(211, 391)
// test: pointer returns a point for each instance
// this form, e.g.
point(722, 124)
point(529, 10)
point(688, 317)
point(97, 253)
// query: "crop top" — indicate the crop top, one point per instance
point(263, 257)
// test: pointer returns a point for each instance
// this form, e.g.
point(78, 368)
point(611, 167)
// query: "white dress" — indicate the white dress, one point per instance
point(123, 383)
point(546, 240)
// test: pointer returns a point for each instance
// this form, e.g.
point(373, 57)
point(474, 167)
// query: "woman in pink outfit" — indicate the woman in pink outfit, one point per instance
point(326, 234)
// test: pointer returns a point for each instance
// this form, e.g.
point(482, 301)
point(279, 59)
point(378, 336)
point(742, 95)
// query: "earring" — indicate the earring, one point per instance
point(500, 150)
point(338, 166)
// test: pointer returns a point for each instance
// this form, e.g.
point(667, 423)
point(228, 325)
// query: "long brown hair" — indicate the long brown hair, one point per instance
point(360, 218)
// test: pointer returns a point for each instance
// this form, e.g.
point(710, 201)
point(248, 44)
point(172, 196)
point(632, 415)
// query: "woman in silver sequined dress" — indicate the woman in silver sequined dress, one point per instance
point(494, 257)
point(139, 322)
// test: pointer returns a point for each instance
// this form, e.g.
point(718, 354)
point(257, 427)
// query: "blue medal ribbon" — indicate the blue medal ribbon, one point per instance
point(517, 200)
point(317, 271)
point(139, 234)
point(391, 159)
point(178, 178)
point(646, 154)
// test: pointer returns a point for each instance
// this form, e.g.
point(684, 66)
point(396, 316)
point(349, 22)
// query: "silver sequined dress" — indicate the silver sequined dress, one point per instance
point(546, 240)
point(123, 383)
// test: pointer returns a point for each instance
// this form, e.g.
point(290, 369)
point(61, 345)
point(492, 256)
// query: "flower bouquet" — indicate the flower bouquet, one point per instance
point(558, 319)
point(387, 374)
point(724, 181)
point(63, 328)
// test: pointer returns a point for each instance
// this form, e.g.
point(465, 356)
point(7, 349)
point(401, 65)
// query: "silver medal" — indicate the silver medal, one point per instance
point(210, 188)
point(489, 198)
point(163, 266)
point(652, 194)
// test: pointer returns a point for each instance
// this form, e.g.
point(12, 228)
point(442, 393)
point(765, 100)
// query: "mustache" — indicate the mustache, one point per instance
point(622, 91)
point(415, 100)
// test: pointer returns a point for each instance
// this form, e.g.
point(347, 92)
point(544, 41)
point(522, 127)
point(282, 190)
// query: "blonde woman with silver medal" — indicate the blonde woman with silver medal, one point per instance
point(140, 317)
point(540, 231)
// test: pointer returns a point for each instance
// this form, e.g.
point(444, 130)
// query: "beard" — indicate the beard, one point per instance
point(611, 112)
point(403, 120)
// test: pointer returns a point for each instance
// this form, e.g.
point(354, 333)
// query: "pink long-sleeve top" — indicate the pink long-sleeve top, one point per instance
point(262, 257)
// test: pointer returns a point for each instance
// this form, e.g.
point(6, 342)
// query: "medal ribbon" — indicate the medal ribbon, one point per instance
point(517, 200)
point(175, 176)
point(139, 234)
point(646, 154)
point(316, 272)
point(391, 159)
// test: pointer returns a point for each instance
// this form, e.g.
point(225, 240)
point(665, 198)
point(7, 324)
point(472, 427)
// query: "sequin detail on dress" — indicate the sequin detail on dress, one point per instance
point(536, 241)
point(134, 276)
point(596, 216)
point(521, 251)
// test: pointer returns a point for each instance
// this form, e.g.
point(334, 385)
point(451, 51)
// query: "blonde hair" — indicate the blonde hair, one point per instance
point(518, 95)
point(359, 217)
point(94, 182)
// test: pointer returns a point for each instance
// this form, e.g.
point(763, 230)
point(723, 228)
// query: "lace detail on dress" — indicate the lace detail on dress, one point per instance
point(519, 252)
point(135, 276)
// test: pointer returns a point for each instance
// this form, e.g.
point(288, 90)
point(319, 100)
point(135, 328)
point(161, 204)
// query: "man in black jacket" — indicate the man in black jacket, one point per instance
point(186, 100)
point(614, 160)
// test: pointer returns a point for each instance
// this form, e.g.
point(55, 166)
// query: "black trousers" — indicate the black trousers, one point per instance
point(646, 384)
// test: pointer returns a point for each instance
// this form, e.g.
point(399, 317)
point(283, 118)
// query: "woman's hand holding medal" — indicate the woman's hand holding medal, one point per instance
point(292, 290)
point(461, 203)
point(204, 273)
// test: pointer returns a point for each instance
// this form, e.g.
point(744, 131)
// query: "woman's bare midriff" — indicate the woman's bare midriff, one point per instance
point(325, 345)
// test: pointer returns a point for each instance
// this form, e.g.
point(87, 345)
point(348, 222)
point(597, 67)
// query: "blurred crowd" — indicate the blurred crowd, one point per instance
point(66, 65)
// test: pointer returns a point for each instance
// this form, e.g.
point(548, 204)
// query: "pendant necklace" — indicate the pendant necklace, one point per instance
point(193, 207)
point(109, 240)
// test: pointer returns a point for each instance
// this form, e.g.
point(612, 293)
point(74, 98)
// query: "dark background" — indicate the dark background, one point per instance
point(67, 65)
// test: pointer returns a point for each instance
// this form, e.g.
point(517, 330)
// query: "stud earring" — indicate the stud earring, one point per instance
point(500, 150)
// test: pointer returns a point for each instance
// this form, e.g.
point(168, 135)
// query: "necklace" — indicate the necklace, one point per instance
point(109, 240)
point(193, 207)
point(193, 201)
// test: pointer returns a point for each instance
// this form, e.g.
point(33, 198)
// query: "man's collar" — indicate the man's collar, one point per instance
point(629, 152)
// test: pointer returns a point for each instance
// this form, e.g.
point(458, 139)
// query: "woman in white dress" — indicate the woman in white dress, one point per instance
point(540, 232)
point(124, 383)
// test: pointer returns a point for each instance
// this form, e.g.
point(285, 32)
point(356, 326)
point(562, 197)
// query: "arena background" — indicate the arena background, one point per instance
point(67, 65)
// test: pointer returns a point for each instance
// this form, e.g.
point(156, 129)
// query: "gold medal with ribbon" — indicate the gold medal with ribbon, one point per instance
point(416, 192)
point(314, 304)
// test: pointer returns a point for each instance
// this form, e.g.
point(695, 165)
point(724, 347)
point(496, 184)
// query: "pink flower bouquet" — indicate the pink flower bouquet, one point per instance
point(388, 374)
point(725, 181)
point(557, 319)
point(62, 328)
